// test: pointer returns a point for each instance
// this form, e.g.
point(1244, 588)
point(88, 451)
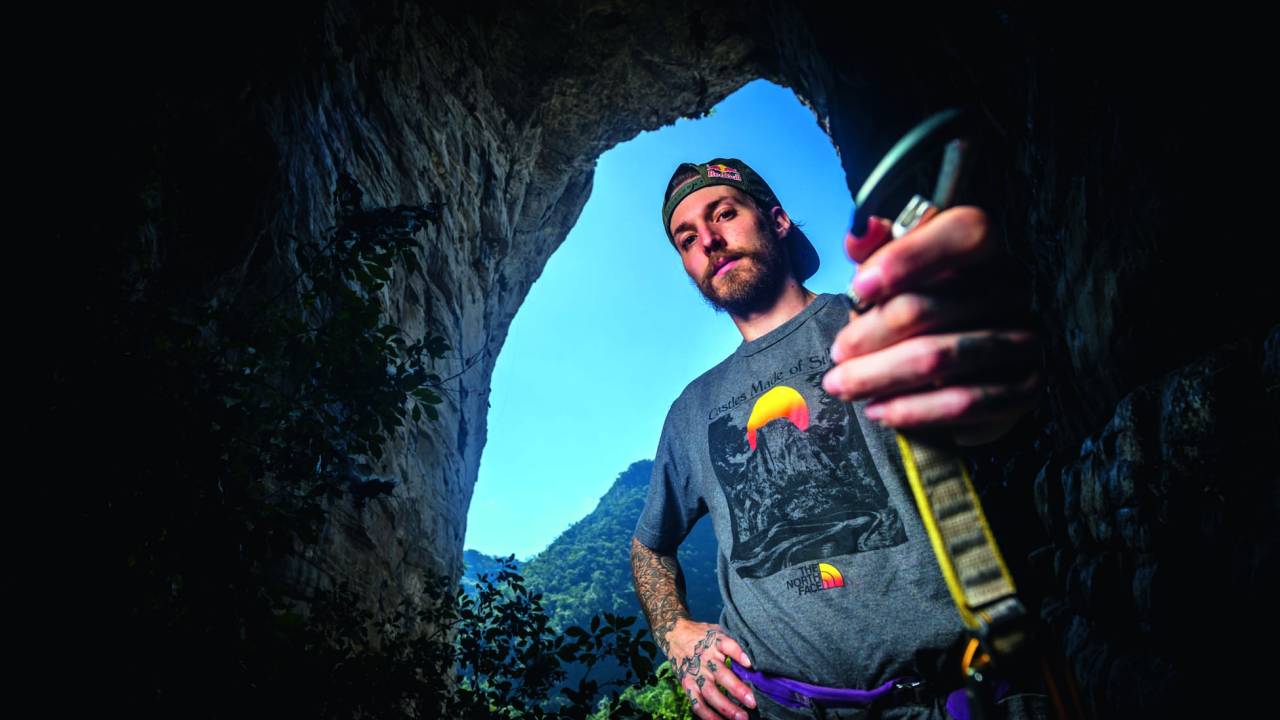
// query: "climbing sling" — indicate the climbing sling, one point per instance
point(968, 556)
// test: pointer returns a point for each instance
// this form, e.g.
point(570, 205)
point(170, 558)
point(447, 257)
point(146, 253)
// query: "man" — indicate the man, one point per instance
point(825, 570)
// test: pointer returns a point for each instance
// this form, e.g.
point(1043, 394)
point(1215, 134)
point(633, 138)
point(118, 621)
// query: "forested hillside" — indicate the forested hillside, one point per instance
point(475, 563)
point(588, 568)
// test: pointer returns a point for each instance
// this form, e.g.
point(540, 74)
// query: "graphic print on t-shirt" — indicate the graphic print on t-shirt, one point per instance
point(799, 480)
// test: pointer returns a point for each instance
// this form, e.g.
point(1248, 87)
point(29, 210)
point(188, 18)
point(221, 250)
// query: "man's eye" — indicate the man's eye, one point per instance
point(684, 243)
point(726, 215)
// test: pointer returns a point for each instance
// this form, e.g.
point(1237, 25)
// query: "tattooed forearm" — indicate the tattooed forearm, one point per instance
point(660, 588)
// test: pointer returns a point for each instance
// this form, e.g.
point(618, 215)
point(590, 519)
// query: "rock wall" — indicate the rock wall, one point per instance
point(1161, 351)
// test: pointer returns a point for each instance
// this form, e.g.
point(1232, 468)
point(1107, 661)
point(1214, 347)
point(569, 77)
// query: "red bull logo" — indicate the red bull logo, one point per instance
point(721, 170)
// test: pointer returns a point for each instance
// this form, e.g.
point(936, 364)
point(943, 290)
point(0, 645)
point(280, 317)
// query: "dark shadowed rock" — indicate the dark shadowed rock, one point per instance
point(1144, 483)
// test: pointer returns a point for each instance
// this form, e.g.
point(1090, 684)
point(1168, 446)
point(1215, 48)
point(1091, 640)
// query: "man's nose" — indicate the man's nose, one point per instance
point(709, 239)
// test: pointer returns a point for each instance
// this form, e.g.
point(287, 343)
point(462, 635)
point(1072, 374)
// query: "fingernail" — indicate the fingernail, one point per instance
point(746, 661)
point(740, 716)
point(836, 355)
point(751, 700)
point(868, 284)
point(832, 386)
point(872, 221)
point(874, 412)
point(873, 226)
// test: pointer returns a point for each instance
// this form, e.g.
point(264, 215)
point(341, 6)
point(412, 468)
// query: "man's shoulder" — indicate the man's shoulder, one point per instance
point(698, 390)
point(834, 313)
point(708, 377)
point(841, 301)
point(835, 304)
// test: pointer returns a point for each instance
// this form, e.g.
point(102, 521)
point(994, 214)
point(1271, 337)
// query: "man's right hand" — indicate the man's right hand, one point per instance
point(697, 652)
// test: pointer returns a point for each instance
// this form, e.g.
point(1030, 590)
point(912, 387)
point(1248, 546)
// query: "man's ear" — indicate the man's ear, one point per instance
point(780, 222)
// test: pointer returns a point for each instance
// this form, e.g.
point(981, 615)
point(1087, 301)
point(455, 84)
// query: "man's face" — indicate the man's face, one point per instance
point(730, 250)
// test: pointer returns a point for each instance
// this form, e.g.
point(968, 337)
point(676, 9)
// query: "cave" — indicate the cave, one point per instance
point(204, 149)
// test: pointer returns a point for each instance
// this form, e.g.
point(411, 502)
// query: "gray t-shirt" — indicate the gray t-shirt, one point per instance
point(825, 568)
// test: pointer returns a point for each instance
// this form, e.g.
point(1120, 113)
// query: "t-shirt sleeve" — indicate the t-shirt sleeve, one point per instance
point(673, 503)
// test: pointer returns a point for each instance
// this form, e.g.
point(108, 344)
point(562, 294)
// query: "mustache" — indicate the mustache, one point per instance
point(715, 263)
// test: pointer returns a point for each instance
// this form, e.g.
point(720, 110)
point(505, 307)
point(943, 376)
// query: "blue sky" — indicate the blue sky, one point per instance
point(613, 329)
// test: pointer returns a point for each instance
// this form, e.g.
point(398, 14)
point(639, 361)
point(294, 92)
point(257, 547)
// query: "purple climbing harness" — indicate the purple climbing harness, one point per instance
point(796, 694)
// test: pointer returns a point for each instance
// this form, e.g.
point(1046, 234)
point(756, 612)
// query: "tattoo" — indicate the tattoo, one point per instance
point(692, 665)
point(660, 588)
point(711, 665)
point(706, 642)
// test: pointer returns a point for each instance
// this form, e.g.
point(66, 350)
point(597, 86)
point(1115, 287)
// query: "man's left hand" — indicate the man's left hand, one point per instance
point(942, 346)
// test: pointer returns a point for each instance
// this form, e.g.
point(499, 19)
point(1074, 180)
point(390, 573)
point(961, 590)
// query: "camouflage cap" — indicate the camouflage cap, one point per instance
point(735, 173)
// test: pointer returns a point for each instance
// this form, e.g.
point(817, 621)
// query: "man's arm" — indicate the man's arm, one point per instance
point(696, 650)
point(660, 588)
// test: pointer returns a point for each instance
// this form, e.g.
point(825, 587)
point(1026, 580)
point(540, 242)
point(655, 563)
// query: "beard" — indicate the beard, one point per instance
point(748, 287)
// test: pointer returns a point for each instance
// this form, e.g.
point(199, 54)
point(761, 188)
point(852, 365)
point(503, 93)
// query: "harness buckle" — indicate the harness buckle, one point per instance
point(911, 690)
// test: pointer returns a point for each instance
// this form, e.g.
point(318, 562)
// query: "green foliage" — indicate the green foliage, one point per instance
point(588, 567)
point(460, 656)
point(224, 435)
point(511, 657)
point(661, 698)
point(224, 438)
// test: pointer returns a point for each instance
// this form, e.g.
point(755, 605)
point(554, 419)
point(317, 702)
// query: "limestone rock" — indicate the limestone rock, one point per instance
point(214, 145)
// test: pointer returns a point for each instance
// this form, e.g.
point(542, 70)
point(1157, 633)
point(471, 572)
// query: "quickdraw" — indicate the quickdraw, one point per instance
point(967, 553)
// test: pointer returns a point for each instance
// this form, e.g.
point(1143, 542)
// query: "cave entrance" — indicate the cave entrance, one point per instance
point(613, 329)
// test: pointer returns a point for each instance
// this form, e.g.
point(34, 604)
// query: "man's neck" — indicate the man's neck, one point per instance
point(793, 298)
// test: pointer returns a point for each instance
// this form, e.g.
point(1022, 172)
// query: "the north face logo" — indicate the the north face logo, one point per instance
point(814, 577)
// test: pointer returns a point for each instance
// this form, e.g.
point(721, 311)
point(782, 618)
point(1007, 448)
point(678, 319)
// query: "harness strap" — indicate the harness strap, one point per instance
point(967, 554)
point(799, 695)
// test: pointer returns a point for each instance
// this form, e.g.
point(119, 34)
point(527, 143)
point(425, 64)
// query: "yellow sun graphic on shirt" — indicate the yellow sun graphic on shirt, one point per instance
point(780, 402)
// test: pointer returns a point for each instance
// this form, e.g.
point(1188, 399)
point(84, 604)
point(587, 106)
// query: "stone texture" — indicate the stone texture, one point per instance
point(1144, 474)
point(1194, 502)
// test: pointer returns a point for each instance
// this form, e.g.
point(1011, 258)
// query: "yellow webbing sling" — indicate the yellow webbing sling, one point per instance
point(967, 554)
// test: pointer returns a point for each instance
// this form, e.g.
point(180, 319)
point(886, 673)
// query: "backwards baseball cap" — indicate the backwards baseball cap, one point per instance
point(735, 173)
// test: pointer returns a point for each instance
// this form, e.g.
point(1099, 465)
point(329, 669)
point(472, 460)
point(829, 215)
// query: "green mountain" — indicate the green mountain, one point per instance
point(587, 569)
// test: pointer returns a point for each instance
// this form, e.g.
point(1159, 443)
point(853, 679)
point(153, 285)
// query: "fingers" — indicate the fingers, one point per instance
point(700, 666)
point(730, 647)
point(955, 239)
point(907, 315)
point(709, 702)
point(983, 412)
point(930, 360)
point(732, 683)
point(879, 232)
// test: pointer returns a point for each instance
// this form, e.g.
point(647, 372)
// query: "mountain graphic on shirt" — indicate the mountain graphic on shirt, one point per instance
point(802, 494)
